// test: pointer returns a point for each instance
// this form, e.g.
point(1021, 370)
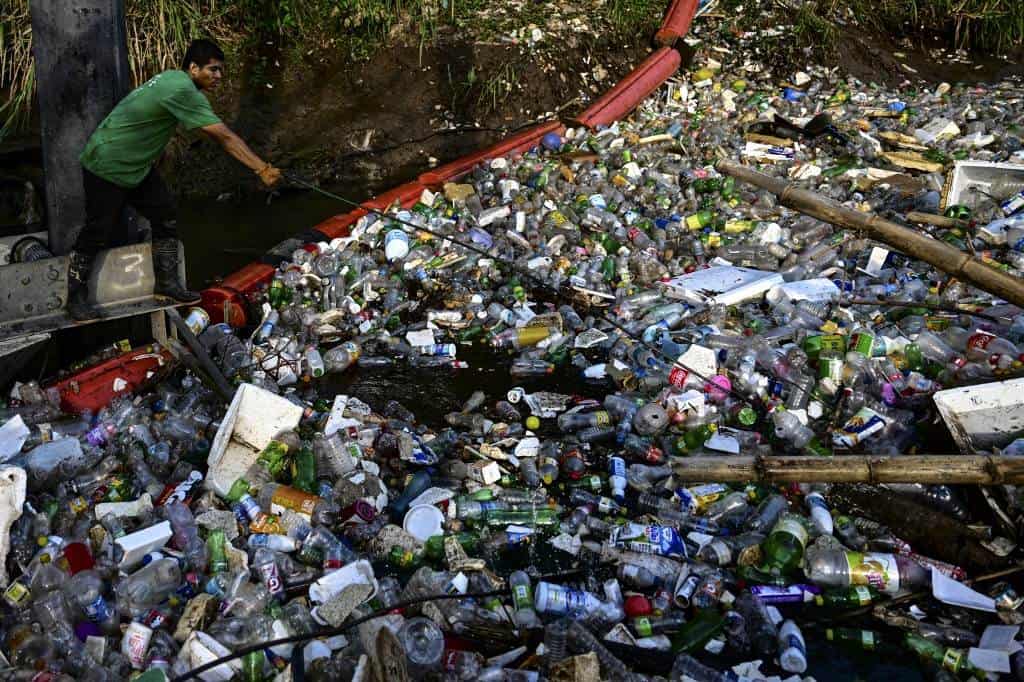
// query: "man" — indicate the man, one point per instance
point(118, 168)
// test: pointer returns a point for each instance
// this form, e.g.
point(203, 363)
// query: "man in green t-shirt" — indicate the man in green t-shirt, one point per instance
point(119, 168)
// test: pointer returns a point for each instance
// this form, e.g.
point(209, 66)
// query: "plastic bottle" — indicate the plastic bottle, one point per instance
point(792, 650)
point(820, 516)
point(148, 586)
point(762, 632)
point(522, 599)
point(887, 573)
point(423, 642)
point(186, 535)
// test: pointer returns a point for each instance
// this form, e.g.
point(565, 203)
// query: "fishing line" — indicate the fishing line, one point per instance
point(673, 362)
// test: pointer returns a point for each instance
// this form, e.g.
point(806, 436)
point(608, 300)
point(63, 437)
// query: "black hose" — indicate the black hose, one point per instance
point(331, 632)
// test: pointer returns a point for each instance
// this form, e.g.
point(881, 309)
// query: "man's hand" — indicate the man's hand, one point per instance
point(269, 175)
point(236, 147)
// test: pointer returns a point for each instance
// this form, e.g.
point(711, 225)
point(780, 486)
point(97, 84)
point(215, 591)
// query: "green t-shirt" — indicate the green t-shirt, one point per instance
point(131, 139)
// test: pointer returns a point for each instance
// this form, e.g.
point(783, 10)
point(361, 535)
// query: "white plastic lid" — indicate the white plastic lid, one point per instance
point(424, 521)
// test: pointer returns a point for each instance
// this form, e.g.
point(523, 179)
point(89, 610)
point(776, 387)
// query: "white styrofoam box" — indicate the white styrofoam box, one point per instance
point(980, 174)
point(254, 417)
point(722, 284)
point(200, 649)
point(140, 543)
point(984, 416)
point(330, 584)
point(815, 290)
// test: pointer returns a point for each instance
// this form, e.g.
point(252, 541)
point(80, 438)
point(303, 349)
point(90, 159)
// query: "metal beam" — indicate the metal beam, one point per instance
point(81, 58)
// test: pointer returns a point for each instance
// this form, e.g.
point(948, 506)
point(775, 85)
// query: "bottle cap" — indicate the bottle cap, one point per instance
point(424, 521)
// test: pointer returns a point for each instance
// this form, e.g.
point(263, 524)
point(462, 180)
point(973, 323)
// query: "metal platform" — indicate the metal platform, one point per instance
point(33, 296)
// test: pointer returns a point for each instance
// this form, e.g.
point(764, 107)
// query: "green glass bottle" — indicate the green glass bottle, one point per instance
point(433, 548)
point(915, 359)
point(252, 666)
point(695, 634)
point(865, 639)
point(783, 549)
point(544, 516)
point(847, 597)
point(953, 660)
point(700, 219)
point(695, 438)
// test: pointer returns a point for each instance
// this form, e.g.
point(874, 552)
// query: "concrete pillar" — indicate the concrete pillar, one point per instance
point(81, 56)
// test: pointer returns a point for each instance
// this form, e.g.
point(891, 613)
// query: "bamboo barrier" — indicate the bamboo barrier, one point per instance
point(936, 253)
point(965, 469)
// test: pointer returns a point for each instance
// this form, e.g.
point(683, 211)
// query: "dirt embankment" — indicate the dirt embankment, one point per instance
point(379, 122)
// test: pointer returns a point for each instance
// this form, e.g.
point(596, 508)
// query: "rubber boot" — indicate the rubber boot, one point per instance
point(165, 266)
point(79, 307)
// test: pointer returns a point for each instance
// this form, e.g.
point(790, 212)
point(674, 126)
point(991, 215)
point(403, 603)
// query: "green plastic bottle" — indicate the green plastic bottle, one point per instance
point(304, 471)
point(215, 545)
point(695, 634)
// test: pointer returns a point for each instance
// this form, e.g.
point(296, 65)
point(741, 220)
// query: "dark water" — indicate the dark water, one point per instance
point(221, 237)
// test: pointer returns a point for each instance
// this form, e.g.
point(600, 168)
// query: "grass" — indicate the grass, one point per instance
point(636, 17)
point(985, 26)
point(17, 71)
point(497, 88)
point(158, 32)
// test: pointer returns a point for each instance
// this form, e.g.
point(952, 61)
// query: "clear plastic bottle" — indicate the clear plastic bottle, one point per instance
point(423, 642)
point(760, 628)
point(686, 667)
point(186, 535)
point(148, 586)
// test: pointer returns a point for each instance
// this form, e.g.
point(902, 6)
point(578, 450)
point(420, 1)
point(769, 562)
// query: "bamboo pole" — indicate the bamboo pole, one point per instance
point(966, 469)
point(915, 244)
point(936, 220)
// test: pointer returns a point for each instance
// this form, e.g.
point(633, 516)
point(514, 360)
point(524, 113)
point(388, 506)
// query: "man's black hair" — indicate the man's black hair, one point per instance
point(200, 53)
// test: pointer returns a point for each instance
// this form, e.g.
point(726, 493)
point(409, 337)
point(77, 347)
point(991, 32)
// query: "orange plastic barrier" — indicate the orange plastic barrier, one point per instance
point(677, 22)
point(231, 294)
point(519, 142)
point(631, 90)
point(94, 387)
point(340, 225)
point(407, 195)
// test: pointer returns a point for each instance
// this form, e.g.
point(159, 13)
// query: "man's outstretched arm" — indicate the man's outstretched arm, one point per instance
point(236, 147)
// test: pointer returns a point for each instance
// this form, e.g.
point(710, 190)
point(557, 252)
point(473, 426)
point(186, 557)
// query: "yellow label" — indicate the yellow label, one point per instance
point(738, 226)
point(874, 570)
point(294, 499)
point(952, 660)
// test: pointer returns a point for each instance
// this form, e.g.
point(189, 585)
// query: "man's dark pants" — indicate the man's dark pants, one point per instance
point(105, 201)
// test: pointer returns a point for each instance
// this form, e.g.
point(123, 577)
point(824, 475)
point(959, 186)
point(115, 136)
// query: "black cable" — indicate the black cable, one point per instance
point(673, 362)
point(330, 632)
